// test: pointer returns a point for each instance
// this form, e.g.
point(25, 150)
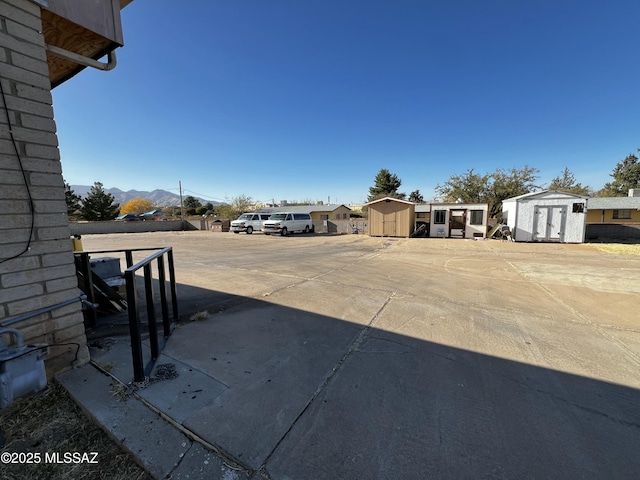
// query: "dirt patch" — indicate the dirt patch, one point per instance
point(619, 248)
point(48, 437)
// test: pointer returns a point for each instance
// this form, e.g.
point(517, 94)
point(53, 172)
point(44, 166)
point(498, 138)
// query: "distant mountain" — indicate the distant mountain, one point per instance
point(160, 198)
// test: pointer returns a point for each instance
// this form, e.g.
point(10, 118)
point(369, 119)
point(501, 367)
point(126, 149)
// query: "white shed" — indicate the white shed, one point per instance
point(546, 216)
point(458, 220)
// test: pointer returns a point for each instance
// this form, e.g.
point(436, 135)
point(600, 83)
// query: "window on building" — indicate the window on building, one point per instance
point(324, 217)
point(421, 215)
point(477, 217)
point(439, 216)
point(622, 214)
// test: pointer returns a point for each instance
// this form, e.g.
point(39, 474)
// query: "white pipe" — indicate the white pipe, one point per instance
point(82, 60)
point(17, 335)
point(40, 311)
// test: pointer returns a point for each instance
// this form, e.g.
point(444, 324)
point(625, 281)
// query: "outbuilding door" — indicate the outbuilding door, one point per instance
point(549, 223)
point(457, 223)
point(389, 224)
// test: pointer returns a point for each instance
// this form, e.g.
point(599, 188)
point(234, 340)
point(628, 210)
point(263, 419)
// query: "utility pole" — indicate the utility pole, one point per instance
point(181, 203)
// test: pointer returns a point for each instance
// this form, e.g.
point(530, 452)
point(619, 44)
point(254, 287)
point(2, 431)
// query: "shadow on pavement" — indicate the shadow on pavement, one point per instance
point(292, 394)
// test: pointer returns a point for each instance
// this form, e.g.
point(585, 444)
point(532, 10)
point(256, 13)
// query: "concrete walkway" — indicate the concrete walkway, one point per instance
point(384, 359)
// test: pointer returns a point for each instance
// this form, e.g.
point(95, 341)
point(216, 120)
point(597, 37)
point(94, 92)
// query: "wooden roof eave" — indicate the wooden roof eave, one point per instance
point(87, 29)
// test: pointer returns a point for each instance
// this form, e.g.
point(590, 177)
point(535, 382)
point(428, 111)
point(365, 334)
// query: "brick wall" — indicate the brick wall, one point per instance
point(32, 201)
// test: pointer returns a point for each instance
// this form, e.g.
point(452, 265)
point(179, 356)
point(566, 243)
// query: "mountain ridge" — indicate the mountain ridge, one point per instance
point(159, 197)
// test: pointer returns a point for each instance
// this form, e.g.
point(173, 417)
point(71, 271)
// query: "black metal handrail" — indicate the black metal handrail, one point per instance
point(140, 370)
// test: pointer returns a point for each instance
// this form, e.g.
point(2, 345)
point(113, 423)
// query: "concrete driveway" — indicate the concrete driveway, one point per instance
point(357, 357)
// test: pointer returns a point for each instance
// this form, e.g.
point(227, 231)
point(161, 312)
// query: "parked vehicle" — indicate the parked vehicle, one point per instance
point(248, 222)
point(285, 223)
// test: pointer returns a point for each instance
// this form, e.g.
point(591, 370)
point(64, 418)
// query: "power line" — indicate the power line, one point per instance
point(205, 196)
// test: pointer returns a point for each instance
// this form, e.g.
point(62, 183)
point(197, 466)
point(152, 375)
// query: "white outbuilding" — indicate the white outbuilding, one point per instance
point(546, 216)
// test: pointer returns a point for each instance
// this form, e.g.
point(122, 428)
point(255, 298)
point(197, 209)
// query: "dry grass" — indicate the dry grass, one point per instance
point(199, 316)
point(50, 422)
point(618, 247)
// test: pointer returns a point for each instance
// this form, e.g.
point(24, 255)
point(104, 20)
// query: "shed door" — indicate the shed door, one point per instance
point(389, 224)
point(549, 223)
point(457, 223)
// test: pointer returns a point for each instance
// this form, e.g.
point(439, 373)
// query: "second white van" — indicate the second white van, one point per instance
point(285, 223)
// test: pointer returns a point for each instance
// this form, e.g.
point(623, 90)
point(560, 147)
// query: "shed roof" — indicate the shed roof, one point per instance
point(614, 203)
point(545, 194)
point(389, 199)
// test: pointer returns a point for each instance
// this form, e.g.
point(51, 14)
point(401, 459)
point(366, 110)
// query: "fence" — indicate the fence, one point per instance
point(613, 231)
point(90, 228)
point(354, 225)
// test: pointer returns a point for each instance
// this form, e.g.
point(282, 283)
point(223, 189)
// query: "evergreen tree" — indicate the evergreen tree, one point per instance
point(98, 205)
point(192, 202)
point(73, 201)
point(416, 197)
point(626, 175)
point(386, 185)
point(567, 183)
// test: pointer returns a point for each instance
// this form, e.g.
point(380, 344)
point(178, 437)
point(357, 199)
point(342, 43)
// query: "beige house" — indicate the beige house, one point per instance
point(319, 213)
point(614, 217)
point(391, 217)
point(618, 210)
point(43, 43)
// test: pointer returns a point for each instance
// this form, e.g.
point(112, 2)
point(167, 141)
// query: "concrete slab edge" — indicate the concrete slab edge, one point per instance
point(82, 385)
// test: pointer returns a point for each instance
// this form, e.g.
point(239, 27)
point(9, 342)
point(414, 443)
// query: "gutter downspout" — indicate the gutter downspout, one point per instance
point(82, 60)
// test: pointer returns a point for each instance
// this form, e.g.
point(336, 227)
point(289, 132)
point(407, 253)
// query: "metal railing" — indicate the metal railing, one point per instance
point(140, 369)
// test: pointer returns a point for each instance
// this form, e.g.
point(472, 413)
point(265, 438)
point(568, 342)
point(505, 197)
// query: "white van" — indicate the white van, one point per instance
point(248, 222)
point(285, 223)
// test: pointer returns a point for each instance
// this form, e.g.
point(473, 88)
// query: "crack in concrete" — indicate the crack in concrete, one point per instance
point(353, 347)
point(628, 352)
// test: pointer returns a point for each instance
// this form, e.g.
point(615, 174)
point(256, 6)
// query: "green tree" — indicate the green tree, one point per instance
point(626, 175)
point(234, 207)
point(490, 188)
point(386, 185)
point(509, 184)
point(192, 202)
point(469, 187)
point(74, 202)
point(416, 197)
point(567, 183)
point(99, 205)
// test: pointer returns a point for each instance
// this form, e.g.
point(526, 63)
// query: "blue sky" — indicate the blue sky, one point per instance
point(309, 99)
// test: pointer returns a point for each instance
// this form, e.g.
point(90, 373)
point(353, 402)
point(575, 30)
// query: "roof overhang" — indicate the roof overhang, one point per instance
point(389, 200)
point(89, 28)
point(548, 194)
